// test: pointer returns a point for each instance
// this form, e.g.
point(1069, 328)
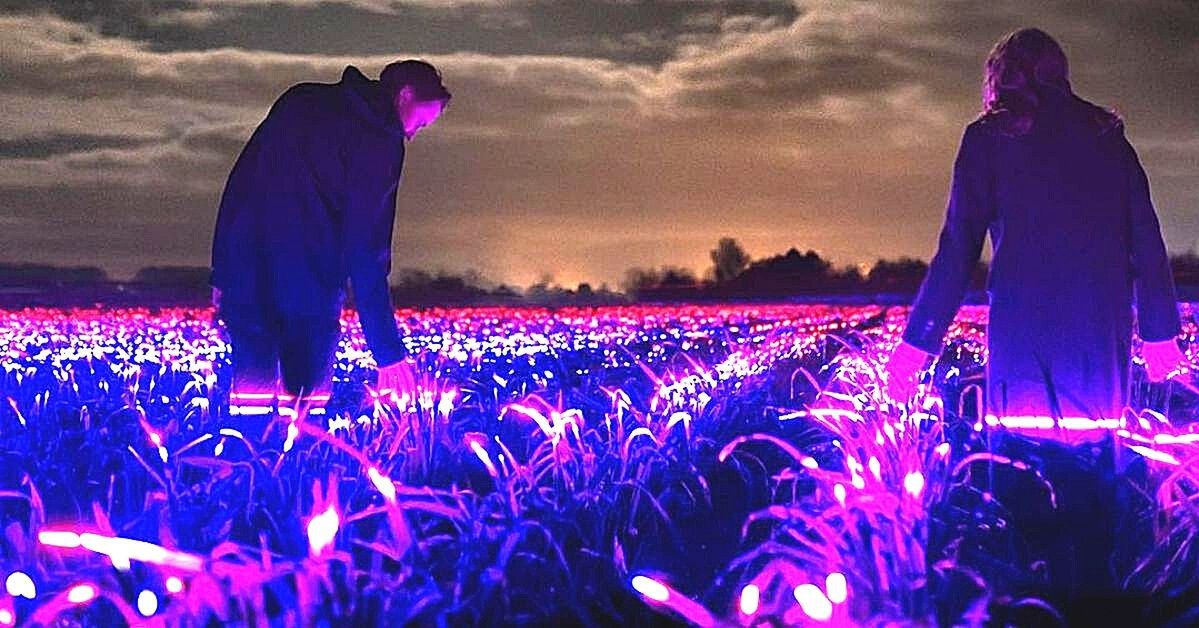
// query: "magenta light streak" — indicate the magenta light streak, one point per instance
point(1045, 422)
point(1154, 454)
point(661, 593)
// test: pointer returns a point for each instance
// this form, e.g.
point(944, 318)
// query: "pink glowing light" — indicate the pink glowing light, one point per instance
point(383, 483)
point(660, 593)
point(1154, 454)
point(121, 550)
point(750, 598)
point(836, 587)
point(651, 588)
point(174, 584)
point(1045, 422)
point(322, 529)
point(81, 594)
point(913, 483)
point(19, 584)
point(813, 602)
point(147, 603)
point(6, 617)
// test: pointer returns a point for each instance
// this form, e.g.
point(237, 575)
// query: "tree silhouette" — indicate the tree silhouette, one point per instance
point(902, 275)
point(728, 260)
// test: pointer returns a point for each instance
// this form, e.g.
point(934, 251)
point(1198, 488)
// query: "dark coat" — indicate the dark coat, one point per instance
point(311, 202)
point(1075, 239)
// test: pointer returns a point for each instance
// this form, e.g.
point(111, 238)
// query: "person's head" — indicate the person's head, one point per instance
point(1021, 67)
point(416, 92)
point(1024, 68)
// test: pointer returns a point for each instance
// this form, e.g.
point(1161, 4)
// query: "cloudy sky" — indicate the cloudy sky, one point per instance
point(584, 137)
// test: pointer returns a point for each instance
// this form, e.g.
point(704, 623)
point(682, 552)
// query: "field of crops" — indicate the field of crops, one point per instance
point(715, 465)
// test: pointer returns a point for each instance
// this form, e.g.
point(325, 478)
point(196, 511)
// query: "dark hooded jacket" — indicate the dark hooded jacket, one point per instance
point(1075, 242)
point(311, 202)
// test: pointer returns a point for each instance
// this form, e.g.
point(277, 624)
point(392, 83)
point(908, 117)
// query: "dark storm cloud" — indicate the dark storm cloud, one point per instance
point(584, 137)
point(61, 143)
point(626, 30)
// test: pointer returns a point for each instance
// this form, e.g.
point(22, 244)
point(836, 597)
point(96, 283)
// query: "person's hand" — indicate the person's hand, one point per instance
point(1162, 358)
point(216, 297)
point(396, 377)
point(901, 369)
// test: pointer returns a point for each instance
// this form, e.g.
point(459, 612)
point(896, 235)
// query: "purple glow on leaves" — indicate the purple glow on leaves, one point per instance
point(504, 377)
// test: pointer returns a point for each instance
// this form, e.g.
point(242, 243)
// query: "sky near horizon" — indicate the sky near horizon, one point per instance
point(583, 138)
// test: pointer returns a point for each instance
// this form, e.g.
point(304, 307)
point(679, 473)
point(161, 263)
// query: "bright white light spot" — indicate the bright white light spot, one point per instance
point(651, 588)
point(875, 468)
point(58, 538)
point(321, 530)
point(383, 483)
point(174, 584)
point(839, 493)
point(446, 404)
point(749, 599)
point(913, 483)
point(147, 603)
point(81, 594)
point(292, 433)
point(942, 449)
point(1154, 454)
point(809, 463)
point(6, 618)
point(813, 602)
point(837, 589)
point(19, 584)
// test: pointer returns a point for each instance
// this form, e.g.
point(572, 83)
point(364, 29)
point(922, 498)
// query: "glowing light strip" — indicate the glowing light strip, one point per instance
point(281, 397)
point(121, 549)
point(1045, 422)
point(248, 410)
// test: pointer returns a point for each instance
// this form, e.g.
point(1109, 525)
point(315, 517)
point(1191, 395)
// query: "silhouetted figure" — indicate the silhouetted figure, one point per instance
point(311, 202)
point(1075, 239)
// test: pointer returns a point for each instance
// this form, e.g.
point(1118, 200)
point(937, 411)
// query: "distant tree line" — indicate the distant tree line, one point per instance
point(733, 275)
point(794, 275)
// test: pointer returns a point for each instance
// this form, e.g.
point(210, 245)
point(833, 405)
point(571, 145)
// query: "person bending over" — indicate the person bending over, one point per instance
point(310, 203)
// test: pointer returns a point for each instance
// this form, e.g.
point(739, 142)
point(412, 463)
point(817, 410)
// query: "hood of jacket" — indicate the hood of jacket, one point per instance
point(1064, 109)
point(368, 101)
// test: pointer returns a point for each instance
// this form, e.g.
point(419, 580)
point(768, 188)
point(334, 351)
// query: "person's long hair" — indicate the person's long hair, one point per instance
point(1020, 72)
